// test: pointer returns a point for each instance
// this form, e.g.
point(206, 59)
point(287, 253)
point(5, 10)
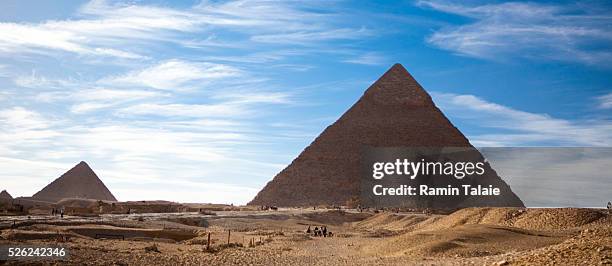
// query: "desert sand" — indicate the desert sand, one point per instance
point(472, 236)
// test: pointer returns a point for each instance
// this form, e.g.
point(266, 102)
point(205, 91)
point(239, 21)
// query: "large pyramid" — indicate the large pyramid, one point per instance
point(393, 112)
point(78, 182)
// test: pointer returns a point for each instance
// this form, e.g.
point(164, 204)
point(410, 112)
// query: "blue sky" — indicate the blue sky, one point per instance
point(206, 101)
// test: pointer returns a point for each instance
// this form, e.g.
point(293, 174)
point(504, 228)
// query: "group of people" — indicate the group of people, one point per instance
point(319, 231)
point(55, 211)
point(267, 208)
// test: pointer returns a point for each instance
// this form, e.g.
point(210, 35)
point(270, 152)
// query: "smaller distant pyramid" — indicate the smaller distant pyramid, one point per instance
point(5, 196)
point(78, 182)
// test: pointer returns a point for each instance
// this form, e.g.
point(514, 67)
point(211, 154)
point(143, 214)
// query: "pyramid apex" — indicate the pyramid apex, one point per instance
point(82, 164)
point(397, 87)
point(398, 69)
point(397, 72)
point(397, 66)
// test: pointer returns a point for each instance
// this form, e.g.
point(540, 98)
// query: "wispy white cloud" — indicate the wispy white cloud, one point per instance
point(255, 97)
point(103, 27)
point(237, 105)
point(106, 26)
point(371, 58)
point(96, 94)
point(58, 36)
point(36, 81)
point(173, 74)
point(22, 118)
point(87, 107)
point(312, 37)
point(185, 110)
point(83, 101)
point(522, 128)
point(526, 30)
point(212, 41)
point(259, 57)
point(22, 129)
point(605, 101)
point(102, 94)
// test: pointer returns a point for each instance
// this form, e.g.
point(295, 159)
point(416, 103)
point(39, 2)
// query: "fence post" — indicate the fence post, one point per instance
point(208, 242)
point(229, 233)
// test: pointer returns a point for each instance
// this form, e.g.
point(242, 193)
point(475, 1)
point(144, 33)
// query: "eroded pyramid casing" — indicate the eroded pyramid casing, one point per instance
point(395, 111)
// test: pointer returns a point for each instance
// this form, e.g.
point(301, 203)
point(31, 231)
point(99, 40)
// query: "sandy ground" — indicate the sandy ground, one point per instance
point(476, 236)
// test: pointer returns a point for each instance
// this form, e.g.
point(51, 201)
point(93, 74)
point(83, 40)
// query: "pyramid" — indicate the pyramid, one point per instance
point(395, 111)
point(5, 196)
point(78, 182)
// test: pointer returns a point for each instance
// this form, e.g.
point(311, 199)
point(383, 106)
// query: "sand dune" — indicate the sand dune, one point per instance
point(465, 241)
point(536, 219)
